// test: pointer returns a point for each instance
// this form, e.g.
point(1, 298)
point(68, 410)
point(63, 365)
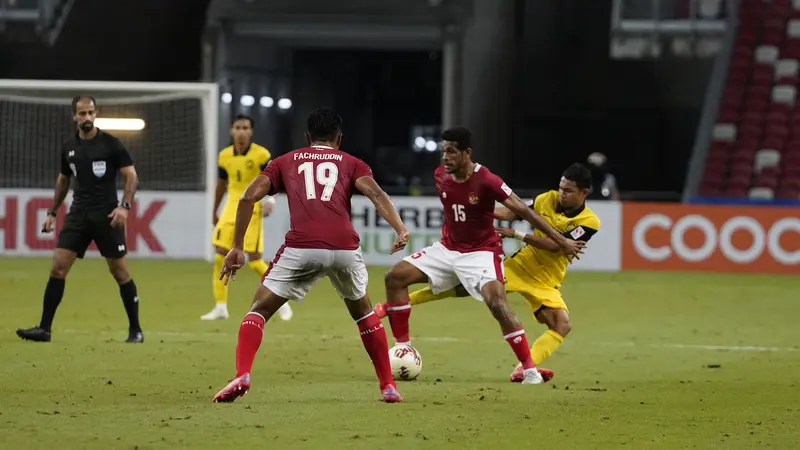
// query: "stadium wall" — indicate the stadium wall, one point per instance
point(633, 236)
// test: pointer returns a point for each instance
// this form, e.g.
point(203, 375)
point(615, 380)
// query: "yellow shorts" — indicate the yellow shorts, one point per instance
point(534, 292)
point(253, 239)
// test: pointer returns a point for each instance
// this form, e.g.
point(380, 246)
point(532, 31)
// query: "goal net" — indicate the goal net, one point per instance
point(170, 129)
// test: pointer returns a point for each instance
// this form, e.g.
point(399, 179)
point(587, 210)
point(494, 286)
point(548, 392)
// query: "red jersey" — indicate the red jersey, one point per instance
point(469, 209)
point(319, 182)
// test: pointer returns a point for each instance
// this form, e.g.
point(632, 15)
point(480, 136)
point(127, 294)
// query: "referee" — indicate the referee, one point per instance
point(92, 158)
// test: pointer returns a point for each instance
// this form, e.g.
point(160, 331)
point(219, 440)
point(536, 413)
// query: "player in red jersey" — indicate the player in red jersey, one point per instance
point(470, 252)
point(319, 181)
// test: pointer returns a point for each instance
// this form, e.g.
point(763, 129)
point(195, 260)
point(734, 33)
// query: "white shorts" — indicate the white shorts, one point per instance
point(447, 269)
point(295, 270)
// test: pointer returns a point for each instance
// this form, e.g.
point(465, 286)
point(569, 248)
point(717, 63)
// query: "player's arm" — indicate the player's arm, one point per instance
point(131, 182)
point(222, 185)
point(383, 204)
point(62, 184)
point(256, 190)
point(515, 204)
point(503, 213)
point(127, 170)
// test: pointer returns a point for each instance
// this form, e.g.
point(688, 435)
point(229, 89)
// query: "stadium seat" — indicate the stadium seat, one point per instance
point(724, 132)
point(766, 54)
point(767, 158)
point(786, 72)
point(763, 193)
point(784, 94)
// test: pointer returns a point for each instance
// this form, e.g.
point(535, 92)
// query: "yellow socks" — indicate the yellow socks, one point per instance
point(545, 346)
point(425, 295)
point(220, 290)
point(259, 266)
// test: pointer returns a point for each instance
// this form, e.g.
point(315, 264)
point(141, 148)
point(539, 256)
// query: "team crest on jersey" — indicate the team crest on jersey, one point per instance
point(99, 168)
point(249, 164)
point(473, 199)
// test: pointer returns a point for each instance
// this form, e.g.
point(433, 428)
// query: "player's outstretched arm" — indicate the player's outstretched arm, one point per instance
point(383, 203)
point(503, 213)
point(569, 247)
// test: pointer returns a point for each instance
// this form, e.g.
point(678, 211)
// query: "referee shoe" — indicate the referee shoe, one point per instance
point(37, 334)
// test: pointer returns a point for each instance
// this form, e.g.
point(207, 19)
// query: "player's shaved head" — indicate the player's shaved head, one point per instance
point(324, 125)
point(460, 136)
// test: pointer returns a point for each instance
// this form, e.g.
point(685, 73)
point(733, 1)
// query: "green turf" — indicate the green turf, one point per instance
point(638, 371)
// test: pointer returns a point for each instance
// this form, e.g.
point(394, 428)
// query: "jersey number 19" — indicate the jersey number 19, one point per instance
point(327, 174)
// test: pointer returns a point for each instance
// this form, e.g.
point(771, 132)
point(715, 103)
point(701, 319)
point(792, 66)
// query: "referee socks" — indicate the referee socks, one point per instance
point(131, 301)
point(52, 297)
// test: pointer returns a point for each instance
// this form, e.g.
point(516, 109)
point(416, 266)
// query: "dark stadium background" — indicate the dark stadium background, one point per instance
point(549, 92)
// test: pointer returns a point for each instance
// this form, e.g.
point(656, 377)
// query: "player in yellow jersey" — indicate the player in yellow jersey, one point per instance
point(239, 164)
point(537, 270)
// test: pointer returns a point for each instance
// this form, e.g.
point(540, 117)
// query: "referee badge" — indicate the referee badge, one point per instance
point(99, 168)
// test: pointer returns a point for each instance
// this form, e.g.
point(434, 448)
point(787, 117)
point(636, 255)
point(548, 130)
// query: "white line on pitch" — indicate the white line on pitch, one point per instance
point(445, 339)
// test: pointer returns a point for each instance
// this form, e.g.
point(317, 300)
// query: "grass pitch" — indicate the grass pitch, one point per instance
point(655, 360)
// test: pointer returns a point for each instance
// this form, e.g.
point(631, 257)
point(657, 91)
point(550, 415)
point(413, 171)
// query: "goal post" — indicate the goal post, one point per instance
point(170, 129)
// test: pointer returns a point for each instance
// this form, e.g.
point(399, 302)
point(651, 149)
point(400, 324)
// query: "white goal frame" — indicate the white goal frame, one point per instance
point(208, 93)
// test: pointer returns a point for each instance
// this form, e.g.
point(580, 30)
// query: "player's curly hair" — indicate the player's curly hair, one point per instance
point(78, 98)
point(460, 135)
point(324, 124)
point(580, 174)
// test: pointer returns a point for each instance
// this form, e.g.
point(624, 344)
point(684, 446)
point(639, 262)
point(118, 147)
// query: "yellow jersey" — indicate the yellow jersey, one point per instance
point(239, 171)
point(549, 268)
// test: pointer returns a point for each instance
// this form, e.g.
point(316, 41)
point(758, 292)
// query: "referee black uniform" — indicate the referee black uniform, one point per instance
point(91, 161)
point(93, 165)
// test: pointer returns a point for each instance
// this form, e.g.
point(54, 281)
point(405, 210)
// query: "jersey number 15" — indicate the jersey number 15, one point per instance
point(327, 174)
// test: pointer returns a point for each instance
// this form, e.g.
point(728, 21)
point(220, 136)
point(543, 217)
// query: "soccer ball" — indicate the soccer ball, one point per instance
point(406, 362)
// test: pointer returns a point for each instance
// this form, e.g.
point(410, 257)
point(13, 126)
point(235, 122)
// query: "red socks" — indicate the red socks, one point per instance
point(250, 333)
point(518, 342)
point(373, 336)
point(398, 319)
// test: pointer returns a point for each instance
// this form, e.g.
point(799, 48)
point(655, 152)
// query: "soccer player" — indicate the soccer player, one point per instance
point(238, 165)
point(319, 181)
point(91, 160)
point(537, 270)
point(470, 252)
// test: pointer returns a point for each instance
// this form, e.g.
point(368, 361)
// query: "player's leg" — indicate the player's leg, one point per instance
point(73, 240)
point(222, 240)
point(349, 278)
point(111, 243)
point(254, 247)
point(251, 332)
point(423, 295)
point(558, 327)
point(432, 264)
point(482, 274)
point(494, 295)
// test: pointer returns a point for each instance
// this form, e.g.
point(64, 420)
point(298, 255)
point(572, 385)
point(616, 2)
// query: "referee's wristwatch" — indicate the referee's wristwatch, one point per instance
point(52, 213)
point(126, 205)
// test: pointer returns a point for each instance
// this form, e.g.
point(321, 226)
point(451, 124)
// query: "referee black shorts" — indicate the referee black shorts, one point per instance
point(81, 228)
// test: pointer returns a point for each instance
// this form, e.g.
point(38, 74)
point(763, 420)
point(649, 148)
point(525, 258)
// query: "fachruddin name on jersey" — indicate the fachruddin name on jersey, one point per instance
point(317, 156)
